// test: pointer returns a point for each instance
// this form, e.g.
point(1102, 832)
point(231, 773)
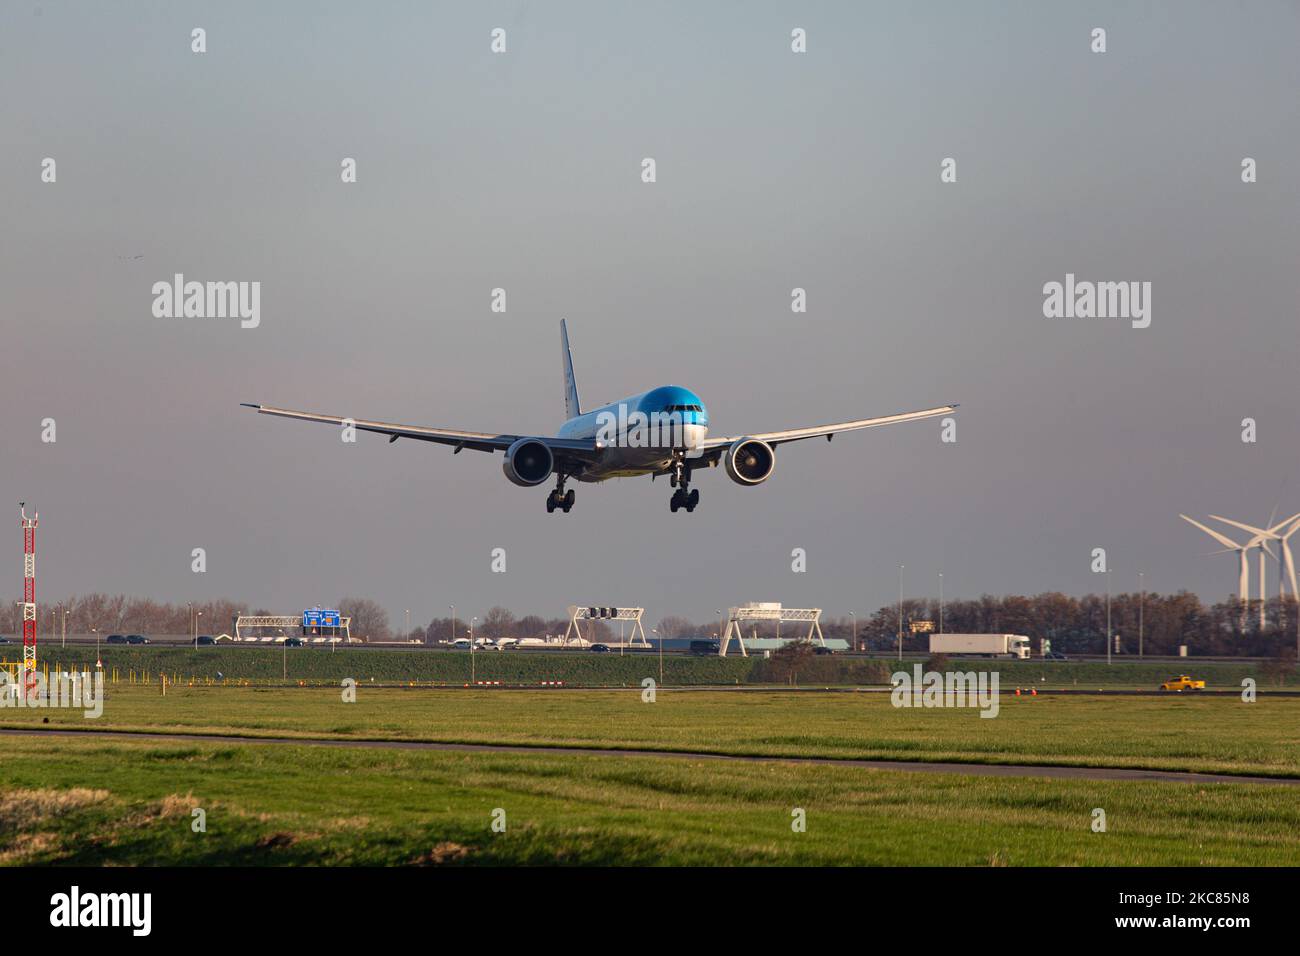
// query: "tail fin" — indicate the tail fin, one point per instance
point(572, 407)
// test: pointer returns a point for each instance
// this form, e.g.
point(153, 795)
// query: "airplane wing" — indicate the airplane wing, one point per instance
point(827, 431)
point(567, 448)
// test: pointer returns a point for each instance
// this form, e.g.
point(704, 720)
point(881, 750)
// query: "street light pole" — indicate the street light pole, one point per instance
point(900, 612)
point(940, 602)
point(854, 615)
point(453, 624)
point(473, 674)
point(1142, 587)
point(1108, 615)
point(660, 641)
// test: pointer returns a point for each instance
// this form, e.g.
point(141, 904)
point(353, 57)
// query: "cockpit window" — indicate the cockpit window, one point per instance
point(684, 408)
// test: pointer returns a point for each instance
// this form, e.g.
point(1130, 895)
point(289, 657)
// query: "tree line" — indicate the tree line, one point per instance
point(1073, 625)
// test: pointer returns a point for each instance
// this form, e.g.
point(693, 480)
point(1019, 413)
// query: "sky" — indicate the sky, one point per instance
point(521, 170)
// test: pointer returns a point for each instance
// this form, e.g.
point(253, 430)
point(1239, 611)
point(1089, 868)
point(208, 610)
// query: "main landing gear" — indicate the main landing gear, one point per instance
point(559, 498)
point(681, 479)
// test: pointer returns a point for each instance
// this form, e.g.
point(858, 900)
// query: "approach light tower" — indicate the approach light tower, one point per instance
point(29, 596)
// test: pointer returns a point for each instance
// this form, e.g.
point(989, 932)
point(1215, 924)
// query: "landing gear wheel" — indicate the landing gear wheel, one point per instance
point(693, 499)
point(567, 502)
point(550, 503)
point(675, 502)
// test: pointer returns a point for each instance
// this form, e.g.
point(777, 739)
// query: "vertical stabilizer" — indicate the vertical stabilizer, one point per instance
point(572, 408)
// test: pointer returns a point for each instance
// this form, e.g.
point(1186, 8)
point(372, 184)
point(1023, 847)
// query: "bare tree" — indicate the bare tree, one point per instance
point(369, 620)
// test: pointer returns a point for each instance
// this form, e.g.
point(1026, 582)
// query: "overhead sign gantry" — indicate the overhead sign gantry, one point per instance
point(755, 611)
point(633, 614)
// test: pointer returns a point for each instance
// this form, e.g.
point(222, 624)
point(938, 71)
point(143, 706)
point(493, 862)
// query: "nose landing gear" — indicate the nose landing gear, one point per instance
point(681, 479)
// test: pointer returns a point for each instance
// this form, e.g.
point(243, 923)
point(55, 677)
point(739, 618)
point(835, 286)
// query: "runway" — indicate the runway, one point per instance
point(967, 769)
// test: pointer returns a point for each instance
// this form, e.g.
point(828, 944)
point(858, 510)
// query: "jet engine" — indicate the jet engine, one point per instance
point(750, 461)
point(528, 462)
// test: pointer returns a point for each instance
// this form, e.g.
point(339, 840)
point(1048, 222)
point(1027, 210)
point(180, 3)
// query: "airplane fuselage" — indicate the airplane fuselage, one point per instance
point(625, 452)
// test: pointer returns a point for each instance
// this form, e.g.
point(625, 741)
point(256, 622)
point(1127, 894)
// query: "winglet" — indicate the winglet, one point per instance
point(572, 407)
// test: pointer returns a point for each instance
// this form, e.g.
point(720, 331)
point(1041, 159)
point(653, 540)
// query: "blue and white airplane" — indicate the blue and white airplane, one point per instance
point(660, 432)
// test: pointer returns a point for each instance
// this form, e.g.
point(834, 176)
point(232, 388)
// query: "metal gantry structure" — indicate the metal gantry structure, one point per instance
point(632, 614)
point(246, 626)
point(738, 617)
point(29, 597)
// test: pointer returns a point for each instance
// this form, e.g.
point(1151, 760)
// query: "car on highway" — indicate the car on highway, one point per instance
point(1181, 683)
point(137, 639)
point(206, 640)
point(1054, 656)
point(823, 650)
point(116, 639)
point(5, 640)
point(293, 642)
point(599, 648)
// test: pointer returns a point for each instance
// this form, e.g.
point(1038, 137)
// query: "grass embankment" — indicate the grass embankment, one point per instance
point(314, 665)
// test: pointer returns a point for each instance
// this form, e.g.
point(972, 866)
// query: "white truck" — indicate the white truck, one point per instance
point(981, 645)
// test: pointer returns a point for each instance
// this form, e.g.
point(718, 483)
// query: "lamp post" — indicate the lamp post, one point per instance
point(453, 624)
point(472, 673)
point(1108, 615)
point(1142, 600)
point(900, 612)
point(854, 615)
point(940, 602)
point(660, 641)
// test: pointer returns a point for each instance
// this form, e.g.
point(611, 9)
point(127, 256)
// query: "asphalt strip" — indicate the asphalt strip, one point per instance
point(967, 769)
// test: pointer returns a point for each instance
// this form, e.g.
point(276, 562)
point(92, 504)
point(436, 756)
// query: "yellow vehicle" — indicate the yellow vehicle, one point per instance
point(1182, 683)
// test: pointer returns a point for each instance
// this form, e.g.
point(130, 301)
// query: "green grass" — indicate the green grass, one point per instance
point(1208, 734)
point(129, 802)
point(314, 665)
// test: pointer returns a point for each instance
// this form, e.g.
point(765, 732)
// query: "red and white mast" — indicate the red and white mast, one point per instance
point(29, 597)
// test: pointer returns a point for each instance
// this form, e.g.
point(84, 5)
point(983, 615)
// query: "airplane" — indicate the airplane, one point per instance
point(663, 431)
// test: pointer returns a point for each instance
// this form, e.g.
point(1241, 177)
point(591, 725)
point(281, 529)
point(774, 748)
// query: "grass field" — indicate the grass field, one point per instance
point(129, 801)
point(1211, 734)
point(315, 665)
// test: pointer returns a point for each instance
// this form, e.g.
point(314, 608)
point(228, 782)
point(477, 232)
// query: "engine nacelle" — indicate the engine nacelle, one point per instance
point(750, 461)
point(528, 462)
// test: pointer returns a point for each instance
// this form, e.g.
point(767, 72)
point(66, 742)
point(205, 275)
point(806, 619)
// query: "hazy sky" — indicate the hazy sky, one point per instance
point(522, 170)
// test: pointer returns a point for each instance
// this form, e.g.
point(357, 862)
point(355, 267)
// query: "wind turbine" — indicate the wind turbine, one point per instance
point(1281, 533)
point(1243, 574)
